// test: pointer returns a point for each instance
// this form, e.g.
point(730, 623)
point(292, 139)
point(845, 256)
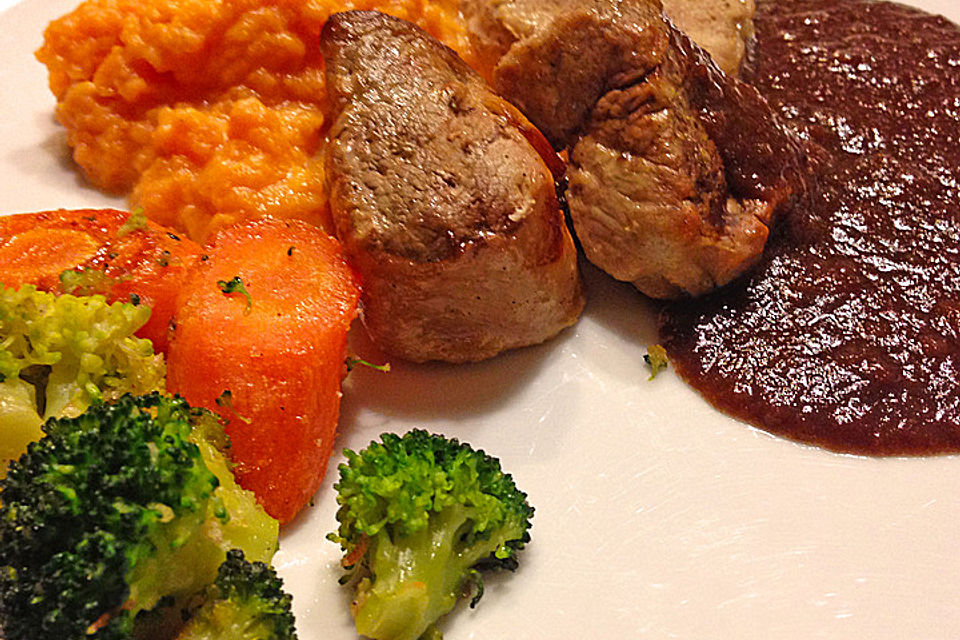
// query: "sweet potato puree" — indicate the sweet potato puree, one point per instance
point(207, 111)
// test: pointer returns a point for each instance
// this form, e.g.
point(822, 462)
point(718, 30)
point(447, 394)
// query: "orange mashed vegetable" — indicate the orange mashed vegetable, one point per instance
point(207, 111)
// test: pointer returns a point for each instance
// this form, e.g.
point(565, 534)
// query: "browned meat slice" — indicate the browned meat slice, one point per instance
point(494, 25)
point(721, 27)
point(557, 73)
point(677, 170)
point(447, 209)
point(556, 58)
point(675, 181)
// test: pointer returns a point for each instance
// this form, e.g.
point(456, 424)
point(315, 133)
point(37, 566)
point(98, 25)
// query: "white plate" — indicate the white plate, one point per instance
point(657, 517)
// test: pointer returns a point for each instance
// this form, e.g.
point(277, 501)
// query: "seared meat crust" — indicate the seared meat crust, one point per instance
point(675, 181)
point(446, 208)
point(677, 170)
point(557, 72)
point(721, 27)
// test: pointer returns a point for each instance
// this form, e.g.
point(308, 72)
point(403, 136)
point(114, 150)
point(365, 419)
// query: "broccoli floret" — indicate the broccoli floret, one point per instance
point(123, 509)
point(420, 516)
point(247, 602)
point(59, 354)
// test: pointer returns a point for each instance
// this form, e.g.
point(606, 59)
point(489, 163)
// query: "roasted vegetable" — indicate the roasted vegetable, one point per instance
point(60, 354)
point(269, 357)
point(247, 602)
point(125, 509)
point(117, 254)
point(420, 517)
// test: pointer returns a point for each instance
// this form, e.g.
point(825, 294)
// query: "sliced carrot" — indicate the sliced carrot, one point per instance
point(279, 352)
point(109, 252)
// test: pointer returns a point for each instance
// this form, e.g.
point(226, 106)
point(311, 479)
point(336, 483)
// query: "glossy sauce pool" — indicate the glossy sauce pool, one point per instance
point(848, 334)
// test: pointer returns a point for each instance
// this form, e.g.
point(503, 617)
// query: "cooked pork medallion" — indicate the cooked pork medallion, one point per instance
point(448, 211)
point(677, 170)
point(722, 27)
point(556, 74)
point(676, 180)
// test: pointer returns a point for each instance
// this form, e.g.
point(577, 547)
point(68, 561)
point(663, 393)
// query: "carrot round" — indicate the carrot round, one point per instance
point(259, 336)
point(114, 253)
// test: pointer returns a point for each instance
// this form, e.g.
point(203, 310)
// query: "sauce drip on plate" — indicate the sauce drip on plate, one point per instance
point(848, 333)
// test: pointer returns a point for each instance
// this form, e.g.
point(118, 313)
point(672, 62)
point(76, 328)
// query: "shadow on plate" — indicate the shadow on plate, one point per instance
point(439, 390)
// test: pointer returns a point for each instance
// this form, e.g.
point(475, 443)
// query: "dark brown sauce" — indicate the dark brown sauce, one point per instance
point(848, 333)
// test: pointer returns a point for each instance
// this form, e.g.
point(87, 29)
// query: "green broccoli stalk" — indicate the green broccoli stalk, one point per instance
point(116, 512)
point(420, 516)
point(247, 602)
point(60, 354)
